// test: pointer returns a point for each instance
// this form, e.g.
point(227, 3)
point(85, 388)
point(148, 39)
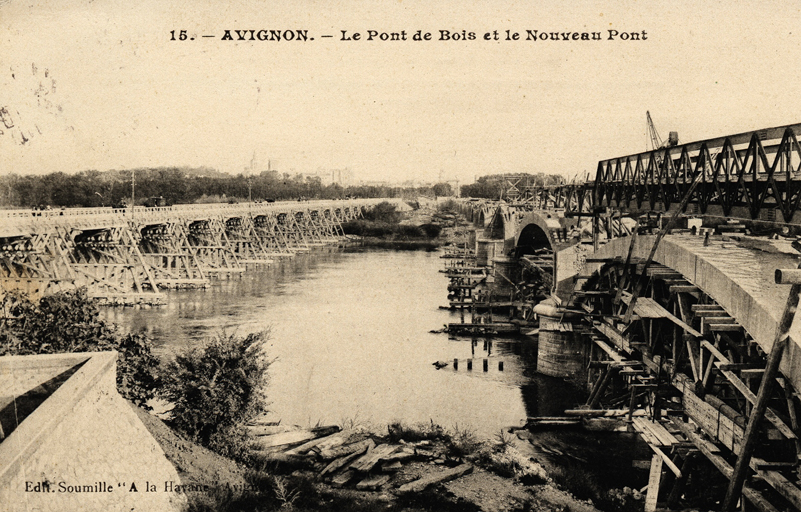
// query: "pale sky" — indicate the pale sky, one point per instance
point(99, 85)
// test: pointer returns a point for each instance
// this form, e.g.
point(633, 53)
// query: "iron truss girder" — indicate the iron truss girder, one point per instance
point(752, 175)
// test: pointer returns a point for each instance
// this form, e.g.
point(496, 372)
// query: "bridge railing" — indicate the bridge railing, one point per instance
point(11, 221)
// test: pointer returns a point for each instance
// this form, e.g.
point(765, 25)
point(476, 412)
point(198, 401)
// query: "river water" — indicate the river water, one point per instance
point(350, 334)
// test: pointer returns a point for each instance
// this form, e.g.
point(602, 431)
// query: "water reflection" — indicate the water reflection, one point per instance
point(350, 331)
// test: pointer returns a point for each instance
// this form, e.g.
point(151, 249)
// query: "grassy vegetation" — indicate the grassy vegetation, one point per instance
point(421, 432)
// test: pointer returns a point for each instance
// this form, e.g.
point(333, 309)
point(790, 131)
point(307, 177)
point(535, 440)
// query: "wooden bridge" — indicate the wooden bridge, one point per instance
point(127, 255)
point(668, 283)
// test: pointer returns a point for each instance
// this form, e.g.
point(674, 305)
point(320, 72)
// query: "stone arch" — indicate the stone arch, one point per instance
point(536, 232)
point(496, 228)
point(531, 238)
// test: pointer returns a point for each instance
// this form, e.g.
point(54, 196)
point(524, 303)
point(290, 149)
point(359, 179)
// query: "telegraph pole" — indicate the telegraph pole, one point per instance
point(133, 195)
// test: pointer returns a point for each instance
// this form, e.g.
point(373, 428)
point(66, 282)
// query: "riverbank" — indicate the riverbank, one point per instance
point(402, 469)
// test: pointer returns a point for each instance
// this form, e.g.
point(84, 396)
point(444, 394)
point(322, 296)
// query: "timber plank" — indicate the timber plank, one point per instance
point(612, 353)
point(334, 453)
point(332, 440)
point(343, 461)
point(711, 453)
point(724, 327)
point(614, 336)
point(653, 483)
point(370, 459)
point(770, 414)
point(284, 439)
point(678, 288)
point(706, 307)
point(422, 483)
point(778, 481)
point(649, 308)
point(343, 478)
point(656, 430)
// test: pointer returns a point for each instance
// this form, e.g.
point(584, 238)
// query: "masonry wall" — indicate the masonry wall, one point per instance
point(82, 449)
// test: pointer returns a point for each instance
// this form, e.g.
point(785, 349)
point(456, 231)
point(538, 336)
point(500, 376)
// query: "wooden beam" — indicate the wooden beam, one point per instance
point(717, 353)
point(679, 288)
point(599, 391)
point(660, 312)
point(788, 396)
point(749, 395)
point(614, 336)
point(711, 452)
point(706, 307)
point(612, 353)
point(761, 405)
point(776, 480)
point(711, 313)
point(691, 357)
point(678, 487)
point(422, 483)
point(652, 496)
point(669, 463)
point(724, 327)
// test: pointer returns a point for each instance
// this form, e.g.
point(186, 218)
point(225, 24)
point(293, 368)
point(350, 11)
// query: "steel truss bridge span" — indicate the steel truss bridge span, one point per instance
point(126, 255)
point(752, 175)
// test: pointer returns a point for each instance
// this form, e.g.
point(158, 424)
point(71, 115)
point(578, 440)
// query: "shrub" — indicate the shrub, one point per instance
point(138, 370)
point(450, 206)
point(419, 432)
point(463, 441)
point(431, 230)
point(69, 321)
point(216, 389)
point(63, 322)
point(383, 212)
point(409, 231)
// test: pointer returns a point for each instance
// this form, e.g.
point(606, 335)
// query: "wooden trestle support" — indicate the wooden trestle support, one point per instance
point(695, 371)
point(125, 259)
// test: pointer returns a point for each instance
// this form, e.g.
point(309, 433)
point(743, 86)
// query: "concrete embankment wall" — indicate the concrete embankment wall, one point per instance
point(83, 437)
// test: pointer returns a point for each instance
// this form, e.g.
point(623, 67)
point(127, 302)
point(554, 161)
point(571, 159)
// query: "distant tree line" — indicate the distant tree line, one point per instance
point(494, 186)
point(181, 185)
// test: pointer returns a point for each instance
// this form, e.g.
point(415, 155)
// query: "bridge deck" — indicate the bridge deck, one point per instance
point(13, 222)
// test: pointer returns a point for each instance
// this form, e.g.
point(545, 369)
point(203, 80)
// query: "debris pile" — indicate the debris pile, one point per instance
point(356, 459)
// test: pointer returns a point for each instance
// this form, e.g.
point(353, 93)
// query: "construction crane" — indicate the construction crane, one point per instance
point(656, 140)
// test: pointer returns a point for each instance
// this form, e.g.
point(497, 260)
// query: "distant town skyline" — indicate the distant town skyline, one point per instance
point(109, 85)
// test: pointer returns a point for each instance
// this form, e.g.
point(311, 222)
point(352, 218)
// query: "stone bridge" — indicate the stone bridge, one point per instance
point(125, 256)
